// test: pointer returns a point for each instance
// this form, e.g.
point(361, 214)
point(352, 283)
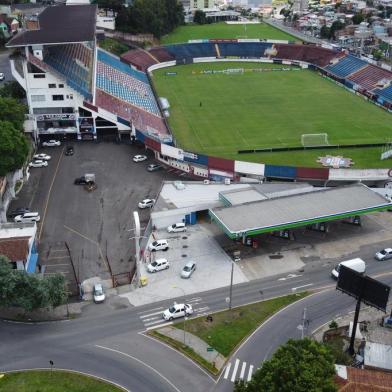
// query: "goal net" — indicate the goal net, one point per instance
point(314, 139)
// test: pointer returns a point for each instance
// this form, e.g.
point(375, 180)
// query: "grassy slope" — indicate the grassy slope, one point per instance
point(228, 329)
point(223, 30)
point(41, 381)
point(256, 110)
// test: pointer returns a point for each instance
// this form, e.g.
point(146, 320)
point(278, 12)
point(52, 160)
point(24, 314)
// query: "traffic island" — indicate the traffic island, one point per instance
point(54, 381)
point(210, 340)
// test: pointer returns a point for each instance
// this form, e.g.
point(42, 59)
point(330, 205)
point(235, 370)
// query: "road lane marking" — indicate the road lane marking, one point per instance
point(160, 325)
point(236, 364)
point(154, 322)
point(150, 310)
point(141, 362)
point(243, 370)
point(41, 227)
point(301, 287)
point(227, 371)
point(151, 314)
point(250, 373)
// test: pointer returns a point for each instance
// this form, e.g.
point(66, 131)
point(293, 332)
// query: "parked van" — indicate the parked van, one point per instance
point(27, 217)
point(355, 264)
point(176, 227)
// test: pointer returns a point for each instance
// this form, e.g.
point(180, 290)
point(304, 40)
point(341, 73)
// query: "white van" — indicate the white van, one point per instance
point(27, 217)
point(355, 264)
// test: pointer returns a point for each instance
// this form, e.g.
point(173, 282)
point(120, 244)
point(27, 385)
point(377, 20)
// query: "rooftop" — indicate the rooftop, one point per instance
point(15, 230)
point(378, 355)
point(60, 24)
point(15, 249)
point(298, 210)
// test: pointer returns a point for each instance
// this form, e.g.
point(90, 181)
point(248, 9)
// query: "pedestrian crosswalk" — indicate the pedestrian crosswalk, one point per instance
point(152, 318)
point(240, 370)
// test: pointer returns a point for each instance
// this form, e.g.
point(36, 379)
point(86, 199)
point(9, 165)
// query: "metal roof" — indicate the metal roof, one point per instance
point(60, 24)
point(298, 210)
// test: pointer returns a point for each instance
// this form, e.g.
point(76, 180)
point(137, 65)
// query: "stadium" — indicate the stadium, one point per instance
point(251, 107)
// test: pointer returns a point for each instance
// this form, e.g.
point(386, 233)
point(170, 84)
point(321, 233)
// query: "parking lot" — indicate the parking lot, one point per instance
point(213, 267)
point(93, 225)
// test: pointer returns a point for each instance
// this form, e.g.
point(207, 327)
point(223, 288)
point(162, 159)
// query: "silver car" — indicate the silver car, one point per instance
point(188, 270)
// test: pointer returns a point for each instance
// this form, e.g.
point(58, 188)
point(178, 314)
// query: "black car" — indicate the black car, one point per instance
point(80, 181)
point(18, 211)
point(69, 150)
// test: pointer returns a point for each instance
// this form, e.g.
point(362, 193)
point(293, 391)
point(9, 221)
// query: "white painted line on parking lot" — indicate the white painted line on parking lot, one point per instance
point(237, 362)
point(227, 371)
point(150, 310)
point(160, 325)
point(58, 257)
point(301, 287)
point(243, 370)
point(151, 314)
point(141, 362)
point(250, 373)
point(58, 250)
point(55, 265)
point(58, 272)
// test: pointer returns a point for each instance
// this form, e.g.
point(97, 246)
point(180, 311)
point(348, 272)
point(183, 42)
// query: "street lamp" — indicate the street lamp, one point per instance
point(183, 292)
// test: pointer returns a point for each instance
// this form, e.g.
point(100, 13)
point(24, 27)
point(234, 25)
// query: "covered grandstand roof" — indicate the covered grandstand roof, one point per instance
point(60, 24)
point(297, 210)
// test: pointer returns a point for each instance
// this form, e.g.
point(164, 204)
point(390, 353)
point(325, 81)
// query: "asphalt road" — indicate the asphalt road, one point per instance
point(5, 67)
point(108, 342)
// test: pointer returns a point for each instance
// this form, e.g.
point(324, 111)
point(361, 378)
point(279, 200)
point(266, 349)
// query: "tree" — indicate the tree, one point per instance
point(200, 17)
point(12, 90)
point(325, 32)
point(336, 26)
point(358, 18)
point(12, 111)
point(14, 148)
point(298, 366)
point(29, 291)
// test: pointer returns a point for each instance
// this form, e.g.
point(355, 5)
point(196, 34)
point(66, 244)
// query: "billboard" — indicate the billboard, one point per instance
point(368, 290)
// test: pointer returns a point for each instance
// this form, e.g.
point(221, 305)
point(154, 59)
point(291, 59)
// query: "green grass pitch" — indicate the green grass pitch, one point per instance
point(223, 30)
point(219, 114)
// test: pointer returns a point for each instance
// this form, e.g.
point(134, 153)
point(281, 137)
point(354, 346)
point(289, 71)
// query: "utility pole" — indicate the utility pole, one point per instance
point(137, 245)
point(231, 284)
point(304, 323)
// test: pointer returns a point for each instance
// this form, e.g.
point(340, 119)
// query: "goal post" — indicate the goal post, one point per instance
point(314, 139)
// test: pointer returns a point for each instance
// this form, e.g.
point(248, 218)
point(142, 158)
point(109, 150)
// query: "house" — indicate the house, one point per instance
point(351, 379)
point(18, 244)
point(8, 25)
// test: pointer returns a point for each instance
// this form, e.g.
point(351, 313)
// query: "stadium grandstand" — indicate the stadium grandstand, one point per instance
point(78, 90)
point(74, 89)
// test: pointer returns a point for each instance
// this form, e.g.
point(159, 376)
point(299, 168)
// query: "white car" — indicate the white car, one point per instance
point(146, 203)
point(38, 163)
point(158, 265)
point(98, 293)
point(177, 228)
point(2, 77)
point(188, 270)
point(139, 158)
point(51, 143)
point(27, 217)
point(177, 310)
point(384, 254)
point(42, 157)
point(158, 245)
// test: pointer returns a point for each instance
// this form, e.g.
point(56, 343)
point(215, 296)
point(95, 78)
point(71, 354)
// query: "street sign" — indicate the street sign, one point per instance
point(210, 349)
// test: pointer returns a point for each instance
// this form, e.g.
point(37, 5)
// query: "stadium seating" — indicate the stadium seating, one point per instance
point(161, 54)
point(140, 118)
point(385, 93)
point(346, 66)
point(74, 62)
point(308, 53)
point(189, 51)
point(244, 49)
point(369, 76)
point(124, 86)
point(114, 62)
point(141, 59)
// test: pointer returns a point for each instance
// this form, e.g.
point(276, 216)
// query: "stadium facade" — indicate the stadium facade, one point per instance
point(75, 90)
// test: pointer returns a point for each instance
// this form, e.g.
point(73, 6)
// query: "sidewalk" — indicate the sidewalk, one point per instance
point(196, 344)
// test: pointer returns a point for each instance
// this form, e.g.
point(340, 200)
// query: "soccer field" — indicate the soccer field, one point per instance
point(219, 114)
point(224, 30)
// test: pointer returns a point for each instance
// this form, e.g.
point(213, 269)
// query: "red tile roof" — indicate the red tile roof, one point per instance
point(16, 249)
point(363, 380)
